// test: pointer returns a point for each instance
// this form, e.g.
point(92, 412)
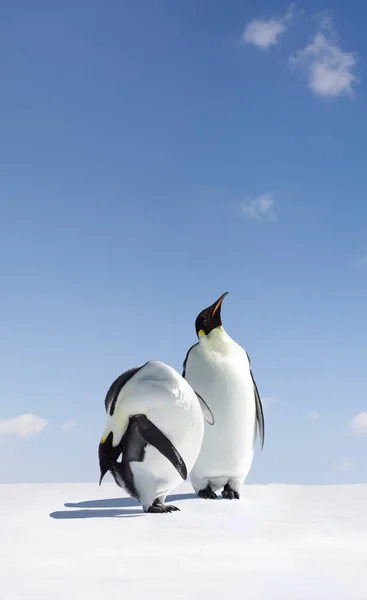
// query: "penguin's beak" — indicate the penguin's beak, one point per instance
point(104, 458)
point(209, 318)
point(107, 454)
point(103, 473)
point(218, 304)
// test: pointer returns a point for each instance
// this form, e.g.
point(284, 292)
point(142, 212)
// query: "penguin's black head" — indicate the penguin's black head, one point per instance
point(104, 455)
point(107, 455)
point(210, 318)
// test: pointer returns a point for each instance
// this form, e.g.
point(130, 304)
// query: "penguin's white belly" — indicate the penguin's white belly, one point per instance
point(172, 406)
point(228, 446)
point(155, 476)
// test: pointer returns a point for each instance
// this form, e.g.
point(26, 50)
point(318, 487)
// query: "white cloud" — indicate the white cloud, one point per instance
point(359, 424)
point(22, 426)
point(345, 465)
point(330, 69)
point(313, 415)
point(261, 207)
point(264, 33)
point(68, 425)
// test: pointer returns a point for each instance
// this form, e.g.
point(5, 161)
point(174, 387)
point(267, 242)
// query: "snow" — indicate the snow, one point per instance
point(286, 542)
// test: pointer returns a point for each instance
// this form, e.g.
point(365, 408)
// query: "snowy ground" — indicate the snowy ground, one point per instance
point(78, 541)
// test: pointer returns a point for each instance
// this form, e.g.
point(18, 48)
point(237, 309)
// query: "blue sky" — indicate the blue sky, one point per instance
point(154, 155)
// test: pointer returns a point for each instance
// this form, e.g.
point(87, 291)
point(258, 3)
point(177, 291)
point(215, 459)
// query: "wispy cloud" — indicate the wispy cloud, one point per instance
point(22, 426)
point(261, 207)
point(345, 466)
point(330, 69)
point(359, 424)
point(68, 425)
point(267, 32)
point(313, 415)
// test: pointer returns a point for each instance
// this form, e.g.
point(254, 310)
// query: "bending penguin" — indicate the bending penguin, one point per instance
point(156, 421)
point(220, 371)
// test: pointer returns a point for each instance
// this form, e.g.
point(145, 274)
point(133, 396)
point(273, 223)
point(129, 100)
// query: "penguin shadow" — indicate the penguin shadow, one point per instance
point(109, 508)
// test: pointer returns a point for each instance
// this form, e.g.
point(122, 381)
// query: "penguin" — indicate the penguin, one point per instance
point(220, 371)
point(155, 420)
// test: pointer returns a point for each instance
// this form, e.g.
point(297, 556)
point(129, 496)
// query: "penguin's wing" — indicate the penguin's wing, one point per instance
point(207, 413)
point(259, 412)
point(156, 438)
point(259, 408)
point(132, 446)
point(186, 357)
point(140, 432)
point(115, 388)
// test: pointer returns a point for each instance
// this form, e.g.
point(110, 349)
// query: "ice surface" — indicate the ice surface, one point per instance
point(279, 542)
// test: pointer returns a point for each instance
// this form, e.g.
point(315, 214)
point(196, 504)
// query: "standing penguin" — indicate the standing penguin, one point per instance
point(156, 421)
point(220, 371)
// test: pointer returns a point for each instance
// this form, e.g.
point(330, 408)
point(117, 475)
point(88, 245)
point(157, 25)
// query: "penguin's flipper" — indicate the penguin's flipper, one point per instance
point(186, 357)
point(133, 450)
point(156, 438)
point(259, 412)
point(207, 413)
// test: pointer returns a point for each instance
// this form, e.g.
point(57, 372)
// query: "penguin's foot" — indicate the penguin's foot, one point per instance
point(229, 494)
point(207, 493)
point(158, 507)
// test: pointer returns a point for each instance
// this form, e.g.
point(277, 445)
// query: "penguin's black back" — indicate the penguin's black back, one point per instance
point(116, 387)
